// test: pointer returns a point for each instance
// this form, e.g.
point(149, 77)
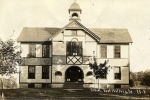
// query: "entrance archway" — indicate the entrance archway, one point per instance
point(74, 74)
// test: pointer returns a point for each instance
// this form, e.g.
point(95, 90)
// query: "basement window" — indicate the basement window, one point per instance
point(31, 85)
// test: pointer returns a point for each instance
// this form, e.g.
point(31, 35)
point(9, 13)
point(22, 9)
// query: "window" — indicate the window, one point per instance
point(58, 73)
point(45, 50)
point(117, 51)
point(103, 76)
point(45, 72)
point(117, 86)
point(103, 51)
point(31, 85)
point(117, 73)
point(74, 15)
point(74, 32)
point(32, 50)
point(44, 85)
point(31, 72)
point(89, 73)
point(74, 48)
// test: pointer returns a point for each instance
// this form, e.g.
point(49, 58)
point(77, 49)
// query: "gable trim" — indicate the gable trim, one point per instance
point(81, 27)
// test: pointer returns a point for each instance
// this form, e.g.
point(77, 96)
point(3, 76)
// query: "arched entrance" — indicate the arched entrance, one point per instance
point(74, 74)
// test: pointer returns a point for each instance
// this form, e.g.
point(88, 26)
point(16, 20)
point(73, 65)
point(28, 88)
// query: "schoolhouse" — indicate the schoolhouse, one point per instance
point(59, 57)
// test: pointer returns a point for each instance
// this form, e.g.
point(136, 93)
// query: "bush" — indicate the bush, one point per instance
point(131, 82)
point(146, 78)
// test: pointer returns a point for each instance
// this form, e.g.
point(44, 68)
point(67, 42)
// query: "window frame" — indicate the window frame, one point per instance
point(117, 76)
point(31, 85)
point(44, 52)
point(73, 47)
point(32, 52)
point(117, 52)
point(117, 86)
point(104, 76)
point(103, 48)
point(44, 76)
point(31, 75)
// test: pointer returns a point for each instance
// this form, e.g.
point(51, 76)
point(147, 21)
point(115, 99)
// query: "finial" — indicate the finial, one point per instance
point(74, 0)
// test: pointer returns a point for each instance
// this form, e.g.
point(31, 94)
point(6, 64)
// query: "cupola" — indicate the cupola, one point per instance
point(74, 11)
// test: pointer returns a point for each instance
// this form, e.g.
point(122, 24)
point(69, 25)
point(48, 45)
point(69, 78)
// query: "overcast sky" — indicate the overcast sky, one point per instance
point(131, 14)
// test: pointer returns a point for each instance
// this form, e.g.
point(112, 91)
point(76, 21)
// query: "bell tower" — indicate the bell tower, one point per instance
point(74, 12)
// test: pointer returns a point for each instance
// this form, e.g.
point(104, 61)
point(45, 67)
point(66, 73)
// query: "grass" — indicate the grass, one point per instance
point(64, 94)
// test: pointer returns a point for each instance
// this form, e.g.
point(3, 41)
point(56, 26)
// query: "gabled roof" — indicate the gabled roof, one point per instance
point(94, 36)
point(35, 34)
point(112, 35)
point(101, 35)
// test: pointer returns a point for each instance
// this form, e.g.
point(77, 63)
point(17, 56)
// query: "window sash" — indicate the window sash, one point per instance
point(45, 72)
point(31, 72)
point(45, 50)
point(31, 69)
point(104, 76)
point(74, 48)
point(32, 50)
point(117, 73)
point(117, 51)
point(103, 51)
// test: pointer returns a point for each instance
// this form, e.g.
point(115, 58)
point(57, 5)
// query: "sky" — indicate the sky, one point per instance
point(133, 15)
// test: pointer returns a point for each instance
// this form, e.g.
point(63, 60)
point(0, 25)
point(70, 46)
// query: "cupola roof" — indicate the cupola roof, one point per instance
point(75, 7)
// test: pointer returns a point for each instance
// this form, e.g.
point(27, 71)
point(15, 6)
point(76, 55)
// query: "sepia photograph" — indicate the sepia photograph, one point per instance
point(74, 49)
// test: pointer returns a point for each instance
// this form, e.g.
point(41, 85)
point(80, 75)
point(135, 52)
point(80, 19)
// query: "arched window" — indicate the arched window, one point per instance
point(74, 15)
point(89, 73)
point(58, 73)
point(74, 48)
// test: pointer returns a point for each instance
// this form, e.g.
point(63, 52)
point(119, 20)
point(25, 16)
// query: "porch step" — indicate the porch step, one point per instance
point(73, 85)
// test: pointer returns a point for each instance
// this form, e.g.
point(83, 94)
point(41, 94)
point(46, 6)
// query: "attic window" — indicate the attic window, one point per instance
point(74, 32)
point(74, 15)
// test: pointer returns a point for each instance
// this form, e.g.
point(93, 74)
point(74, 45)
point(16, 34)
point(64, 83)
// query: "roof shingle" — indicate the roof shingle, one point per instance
point(112, 35)
point(106, 35)
point(32, 34)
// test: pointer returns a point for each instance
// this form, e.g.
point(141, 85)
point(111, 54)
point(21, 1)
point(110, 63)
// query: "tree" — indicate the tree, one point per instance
point(133, 78)
point(140, 75)
point(9, 57)
point(146, 78)
point(99, 70)
point(131, 82)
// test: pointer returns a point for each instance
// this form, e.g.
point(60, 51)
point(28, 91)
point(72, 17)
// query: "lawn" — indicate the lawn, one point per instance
point(75, 94)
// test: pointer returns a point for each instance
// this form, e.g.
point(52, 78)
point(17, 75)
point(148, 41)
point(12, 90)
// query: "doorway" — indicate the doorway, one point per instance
point(74, 74)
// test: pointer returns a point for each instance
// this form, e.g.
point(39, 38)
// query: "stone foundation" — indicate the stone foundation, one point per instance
point(125, 86)
point(75, 85)
point(23, 86)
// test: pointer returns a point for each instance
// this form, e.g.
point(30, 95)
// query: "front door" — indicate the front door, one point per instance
point(74, 74)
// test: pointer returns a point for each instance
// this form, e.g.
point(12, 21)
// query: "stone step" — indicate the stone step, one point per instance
point(73, 85)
